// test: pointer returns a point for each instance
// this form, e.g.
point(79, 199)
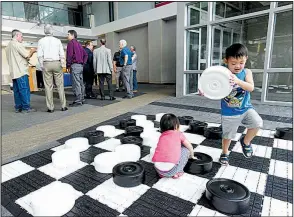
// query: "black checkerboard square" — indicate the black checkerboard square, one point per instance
point(216, 143)
point(265, 141)
point(279, 188)
point(86, 206)
point(150, 176)
point(282, 155)
point(39, 159)
point(258, 164)
point(255, 205)
point(25, 184)
point(89, 155)
point(86, 179)
point(158, 203)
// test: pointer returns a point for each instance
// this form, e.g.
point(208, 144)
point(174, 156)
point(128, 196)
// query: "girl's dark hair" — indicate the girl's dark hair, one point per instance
point(169, 122)
point(236, 51)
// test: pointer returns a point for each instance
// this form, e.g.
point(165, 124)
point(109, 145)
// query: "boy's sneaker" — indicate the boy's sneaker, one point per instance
point(224, 159)
point(246, 149)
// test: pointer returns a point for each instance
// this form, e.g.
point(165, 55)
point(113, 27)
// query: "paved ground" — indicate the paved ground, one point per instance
point(42, 132)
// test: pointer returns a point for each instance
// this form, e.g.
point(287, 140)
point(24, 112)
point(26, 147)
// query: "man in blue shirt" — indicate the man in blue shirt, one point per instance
point(126, 62)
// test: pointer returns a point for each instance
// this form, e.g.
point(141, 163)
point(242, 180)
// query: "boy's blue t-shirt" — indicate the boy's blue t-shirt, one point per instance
point(238, 101)
point(125, 51)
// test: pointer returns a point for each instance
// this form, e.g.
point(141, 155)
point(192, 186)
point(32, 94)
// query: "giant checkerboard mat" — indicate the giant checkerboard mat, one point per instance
point(268, 176)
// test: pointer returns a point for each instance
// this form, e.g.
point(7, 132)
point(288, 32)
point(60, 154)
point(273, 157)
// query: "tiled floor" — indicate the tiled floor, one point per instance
point(267, 175)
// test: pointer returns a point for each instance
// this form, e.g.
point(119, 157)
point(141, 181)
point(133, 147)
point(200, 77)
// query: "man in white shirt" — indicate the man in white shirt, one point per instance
point(52, 59)
point(102, 63)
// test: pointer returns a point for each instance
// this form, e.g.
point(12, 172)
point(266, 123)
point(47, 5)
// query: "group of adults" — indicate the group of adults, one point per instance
point(83, 64)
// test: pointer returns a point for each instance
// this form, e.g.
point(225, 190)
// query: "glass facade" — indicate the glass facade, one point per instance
point(45, 12)
point(266, 28)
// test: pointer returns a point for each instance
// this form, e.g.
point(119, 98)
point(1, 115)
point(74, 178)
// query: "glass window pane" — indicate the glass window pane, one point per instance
point(191, 83)
point(216, 47)
point(196, 49)
point(194, 16)
point(7, 9)
point(231, 9)
point(219, 10)
point(284, 3)
point(256, 94)
point(254, 33)
point(283, 41)
point(280, 87)
point(18, 9)
point(197, 13)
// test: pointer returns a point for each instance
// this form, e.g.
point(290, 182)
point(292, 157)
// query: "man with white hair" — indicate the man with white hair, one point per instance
point(52, 59)
point(17, 57)
point(126, 62)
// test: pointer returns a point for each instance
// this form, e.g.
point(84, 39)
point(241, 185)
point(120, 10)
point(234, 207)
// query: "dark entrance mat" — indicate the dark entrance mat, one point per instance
point(70, 98)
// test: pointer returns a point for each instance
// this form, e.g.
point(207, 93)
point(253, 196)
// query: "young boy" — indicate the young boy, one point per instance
point(237, 108)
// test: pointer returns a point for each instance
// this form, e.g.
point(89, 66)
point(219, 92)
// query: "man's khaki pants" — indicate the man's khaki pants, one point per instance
point(53, 69)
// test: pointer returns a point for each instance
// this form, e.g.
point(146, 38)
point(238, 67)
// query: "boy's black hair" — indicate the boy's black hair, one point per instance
point(169, 122)
point(236, 51)
point(74, 33)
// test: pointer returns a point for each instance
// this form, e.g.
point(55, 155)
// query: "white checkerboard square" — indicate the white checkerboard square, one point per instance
point(194, 138)
point(117, 197)
point(258, 150)
point(237, 137)
point(274, 207)
point(15, 169)
point(213, 152)
point(183, 128)
point(283, 144)
point(58, 148)
point(109, 144)
point(25, 202)
point(57, 173)
point(281, 169)
point(254, 181)
point(187, 187)
point(212, 124)
point(203, 211)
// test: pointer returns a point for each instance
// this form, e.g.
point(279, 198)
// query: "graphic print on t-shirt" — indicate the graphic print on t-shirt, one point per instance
point(236, 97)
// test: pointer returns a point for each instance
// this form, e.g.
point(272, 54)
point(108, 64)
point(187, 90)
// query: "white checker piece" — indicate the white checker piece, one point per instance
point(194, 138)
point(109, 144)
point(25, 202)
point(57, 173)
point(281, 169)
point(274, 207)
point(213, 152)
point(15, 169)
point(117, 197)
point(187, 187)
point(258, 150)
